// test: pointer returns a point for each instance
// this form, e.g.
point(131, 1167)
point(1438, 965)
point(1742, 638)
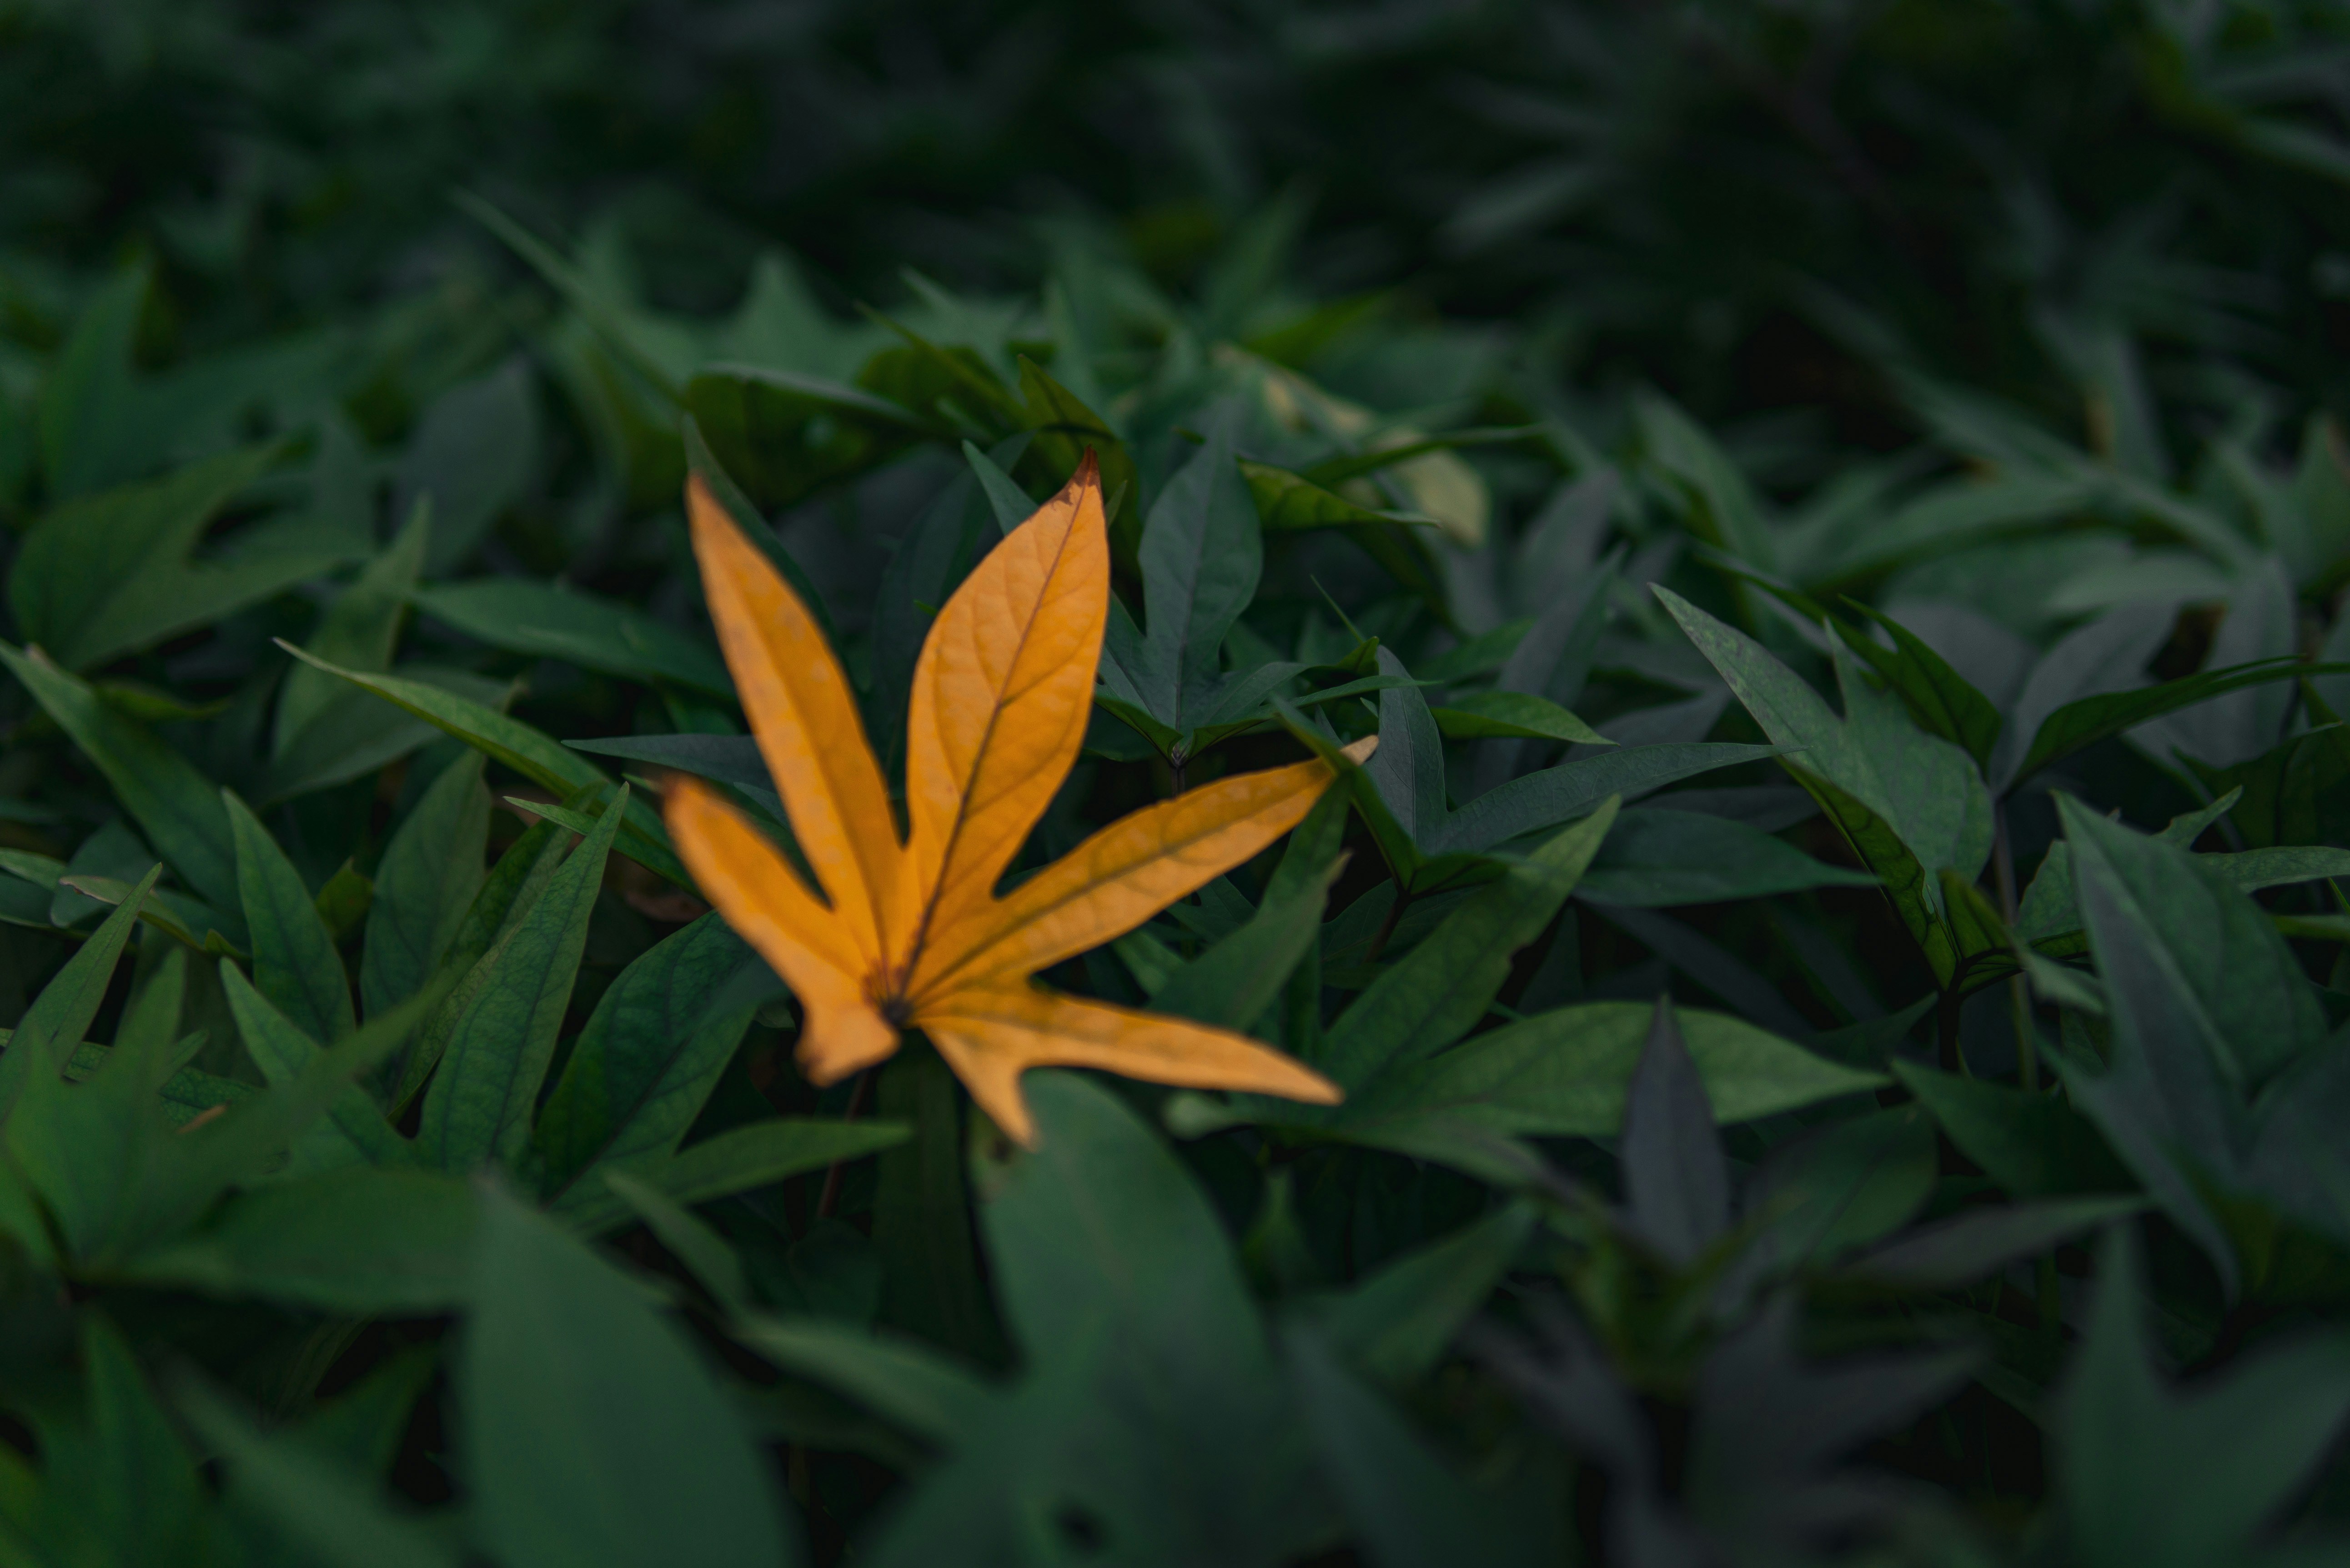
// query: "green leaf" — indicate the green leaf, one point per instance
point(1287, 501)
point(184, 1173)
point(2153, 1477)
point(359, 1242)
point(1976, 1243)
point(1657, 857)
point(1675, 1178)
point(595, 633)
point(652, 1051)
point(930, 1271)
point(120, 1485)
point(112, 574)
point(757, 1154)
point(1065, 429)
point(45, 1038)
point(1442, 987)
point(359, 632)
point(1396, 1323)
point(1481, 715)
point(2050, 917)
point(353, 736)
point(2088, 720)
point(530, 753)
point(1844, 1186)
point(2029, 1143)
point(1563, 1075)
point(1201, 554)
point(1010, 504)
point(647, 1461)
point(2217, 945)
point(1240, 976)
point(1407, 1509)
point(173, 914)
point(1529, 804)
point(1721, 507)
point(904, 1381)
point(294, 964)
point(177, 807)
point(1943, 702)
point(356, 1129)
point(1401, 791)
point(338, 1518)
point(1153, 1403)
point(1910, 804)
point(430, 871)
point(502, 1037)
point(787, 435)
point(2171, 1101)
point(706, 1254)
point(87, 415)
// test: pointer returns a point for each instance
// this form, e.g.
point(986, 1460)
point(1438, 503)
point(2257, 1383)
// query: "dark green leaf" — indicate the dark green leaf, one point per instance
point(645, 1461)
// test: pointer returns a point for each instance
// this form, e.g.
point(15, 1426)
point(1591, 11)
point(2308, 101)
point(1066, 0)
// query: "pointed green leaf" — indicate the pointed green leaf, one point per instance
point(428, 877)
point(46, 1036)
point(1442, 987)
point(530, 753)
point(649, 1057)
point(501, 1041)
point(355, 1129)
point(1481, 715)
point(294, 964)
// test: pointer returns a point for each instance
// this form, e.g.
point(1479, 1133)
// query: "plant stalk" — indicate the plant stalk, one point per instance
point(2019, 1002)
point(830, 1197)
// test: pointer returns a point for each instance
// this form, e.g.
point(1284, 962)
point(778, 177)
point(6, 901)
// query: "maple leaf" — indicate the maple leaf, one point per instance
point(907, 931)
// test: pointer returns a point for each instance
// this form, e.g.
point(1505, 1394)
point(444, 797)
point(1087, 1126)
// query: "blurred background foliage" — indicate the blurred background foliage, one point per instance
point(1751, 206)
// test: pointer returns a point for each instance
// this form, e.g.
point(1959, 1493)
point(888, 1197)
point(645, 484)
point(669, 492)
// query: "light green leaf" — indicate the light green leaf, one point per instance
point(294, 964)
point(502, 1037)
point(356, 1129)
point(428, 877)
point(652, 1051)
point(1478, 715)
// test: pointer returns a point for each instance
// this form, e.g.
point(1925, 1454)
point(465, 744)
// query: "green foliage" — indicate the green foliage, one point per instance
point(1839, 963)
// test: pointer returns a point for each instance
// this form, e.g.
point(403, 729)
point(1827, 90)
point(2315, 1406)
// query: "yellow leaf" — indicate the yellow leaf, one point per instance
point(1002, 693)
point(909, 933)
point(801, 708)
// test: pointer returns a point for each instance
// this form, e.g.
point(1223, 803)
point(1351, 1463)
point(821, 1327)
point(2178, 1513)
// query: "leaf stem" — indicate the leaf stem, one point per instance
point(2027, 1034)
point(1387, 926)
point(831, 1194)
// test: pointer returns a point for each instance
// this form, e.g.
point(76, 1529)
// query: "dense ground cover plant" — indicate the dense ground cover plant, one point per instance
point(1768, 793)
